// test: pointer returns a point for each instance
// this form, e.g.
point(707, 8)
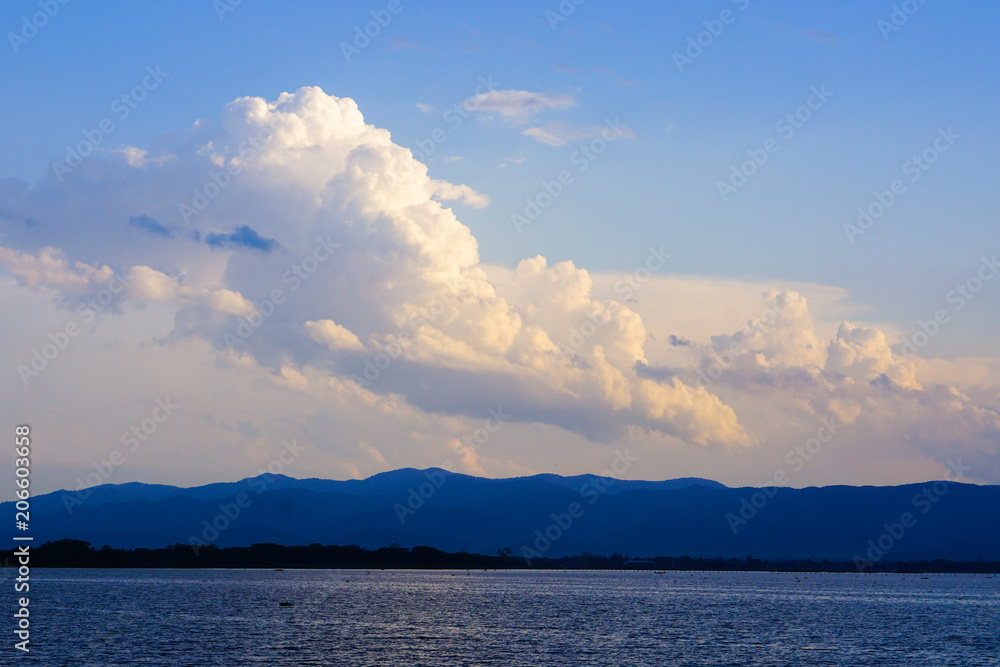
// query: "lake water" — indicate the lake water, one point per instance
point(233, 617)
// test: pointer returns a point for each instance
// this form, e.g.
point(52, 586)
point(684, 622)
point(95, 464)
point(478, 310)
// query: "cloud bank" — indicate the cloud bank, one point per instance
point(297, 239)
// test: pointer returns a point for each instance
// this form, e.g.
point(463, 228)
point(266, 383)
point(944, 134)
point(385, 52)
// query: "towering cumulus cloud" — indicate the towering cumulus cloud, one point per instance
point(856, 379)
point(297, 236)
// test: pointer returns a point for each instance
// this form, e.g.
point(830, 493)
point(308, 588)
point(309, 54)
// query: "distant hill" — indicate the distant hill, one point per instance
point(455, 512)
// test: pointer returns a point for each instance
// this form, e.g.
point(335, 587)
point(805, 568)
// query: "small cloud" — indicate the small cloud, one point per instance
point(150, 225)
point(820, 36)
point(677, 341)
point(545, 135)
point(605, 27)
point(453, 158)
point(507, 161)
point(468, 457)
point(333, 335)
point(558, 134)
point(374, 454)
point(426, 108)
point(449, 191)
point(518, 103)
point(560, 67)
point(605, 71)
point(241, 236)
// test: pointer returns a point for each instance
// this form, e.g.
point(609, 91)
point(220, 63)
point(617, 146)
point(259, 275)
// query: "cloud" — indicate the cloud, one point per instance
point(333, 335)
point(50, 269)
point(518, 104)
point(367, 302)
point(507, 161)
point(558, 134)
point(372, 453)
point(545, 136)
point(449, 191)
point(242, 236)
point(469, 459)
point(854, 376)
point(150, 225)
point(862, 354)
point(368, 254)
point(148, 284)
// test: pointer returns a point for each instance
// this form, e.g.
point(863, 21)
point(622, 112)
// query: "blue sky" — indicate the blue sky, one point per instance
point(890, 96)
point(893, 91)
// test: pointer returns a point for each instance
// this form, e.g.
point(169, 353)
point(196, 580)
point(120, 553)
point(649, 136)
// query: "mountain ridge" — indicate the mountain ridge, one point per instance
point(545, 514)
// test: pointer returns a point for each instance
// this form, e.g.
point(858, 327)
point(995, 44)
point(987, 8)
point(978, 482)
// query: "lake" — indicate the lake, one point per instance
point(234, 617)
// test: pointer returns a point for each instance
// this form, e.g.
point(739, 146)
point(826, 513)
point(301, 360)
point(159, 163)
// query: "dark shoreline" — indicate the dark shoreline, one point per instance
point(77, 554)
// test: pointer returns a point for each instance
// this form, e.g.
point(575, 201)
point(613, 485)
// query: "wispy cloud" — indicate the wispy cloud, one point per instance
point(150, 225)
point(242, 236)
point(519, 104)
point(558, 134)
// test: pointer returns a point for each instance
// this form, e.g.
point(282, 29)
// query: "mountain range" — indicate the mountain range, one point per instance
point(541, 515)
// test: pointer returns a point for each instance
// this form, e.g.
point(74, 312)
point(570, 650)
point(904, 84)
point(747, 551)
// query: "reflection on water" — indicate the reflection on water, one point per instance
point(232, 617)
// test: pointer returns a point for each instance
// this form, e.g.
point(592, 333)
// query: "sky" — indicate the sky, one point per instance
point(733, 239)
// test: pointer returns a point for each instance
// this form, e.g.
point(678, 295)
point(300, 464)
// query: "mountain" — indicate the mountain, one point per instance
point(545, 515)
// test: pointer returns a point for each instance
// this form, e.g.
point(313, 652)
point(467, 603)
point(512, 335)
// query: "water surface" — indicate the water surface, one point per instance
point(359, 618)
